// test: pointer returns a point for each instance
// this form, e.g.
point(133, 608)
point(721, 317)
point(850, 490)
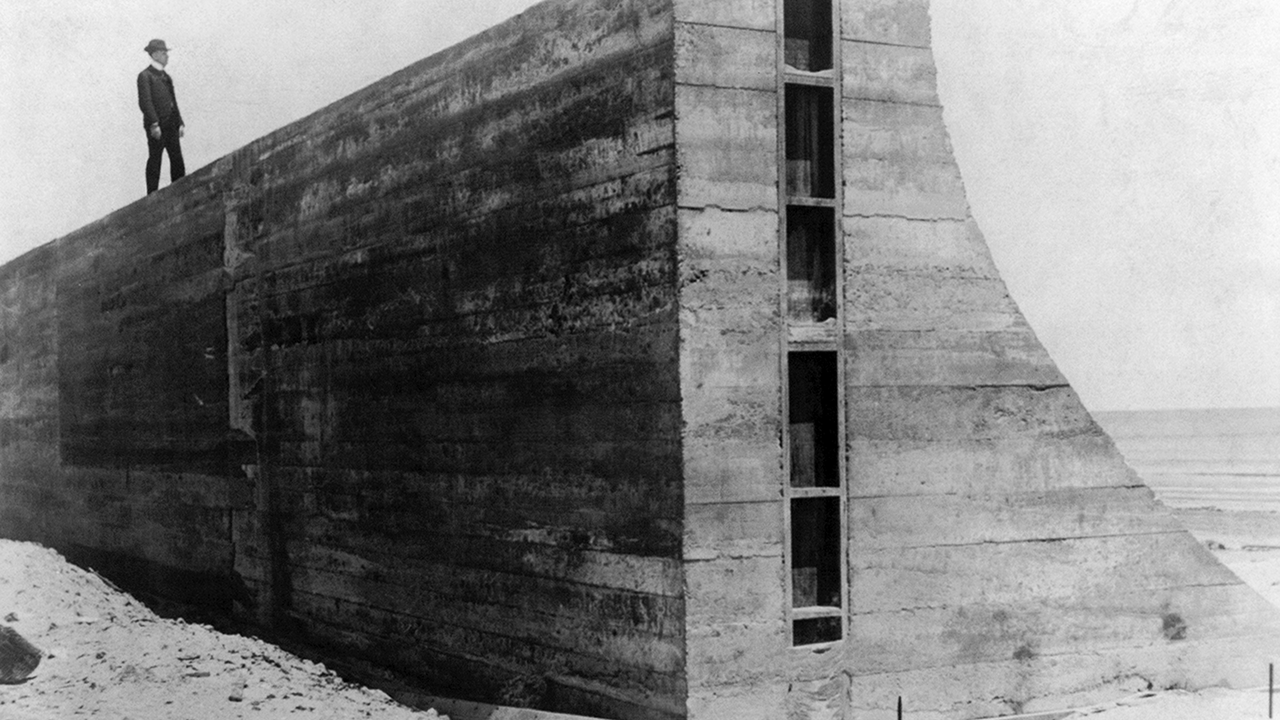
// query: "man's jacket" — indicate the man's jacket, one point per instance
point(156, 98)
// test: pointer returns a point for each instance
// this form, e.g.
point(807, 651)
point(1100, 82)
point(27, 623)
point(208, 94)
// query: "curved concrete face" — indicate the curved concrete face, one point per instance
point(999, 556)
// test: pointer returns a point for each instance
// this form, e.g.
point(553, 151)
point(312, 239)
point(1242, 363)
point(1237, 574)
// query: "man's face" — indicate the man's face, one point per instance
point(161, 56)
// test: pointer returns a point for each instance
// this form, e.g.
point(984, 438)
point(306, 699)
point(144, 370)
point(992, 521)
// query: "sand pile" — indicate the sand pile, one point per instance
point(108, 656)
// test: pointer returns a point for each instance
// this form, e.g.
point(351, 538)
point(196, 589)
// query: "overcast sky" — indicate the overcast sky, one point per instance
point(1122, 156)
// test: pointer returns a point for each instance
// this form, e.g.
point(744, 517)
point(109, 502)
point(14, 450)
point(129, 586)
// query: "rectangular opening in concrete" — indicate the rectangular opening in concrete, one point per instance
point(811, 631)
point(811, 263)
point(815, 570)
point(807, 31)
point(810, 142)
point(813, 418)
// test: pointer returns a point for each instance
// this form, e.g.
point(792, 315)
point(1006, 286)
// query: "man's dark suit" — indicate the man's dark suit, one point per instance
point(160, 107)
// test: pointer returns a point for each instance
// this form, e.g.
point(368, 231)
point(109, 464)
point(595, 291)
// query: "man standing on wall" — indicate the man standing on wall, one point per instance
point(160, 116)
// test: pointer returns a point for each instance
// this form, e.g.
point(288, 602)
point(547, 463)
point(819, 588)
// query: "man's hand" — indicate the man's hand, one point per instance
point(182, 131)
point(155, 132)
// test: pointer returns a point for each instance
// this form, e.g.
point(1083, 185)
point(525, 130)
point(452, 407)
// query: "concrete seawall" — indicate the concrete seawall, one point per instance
point(492, 375)
point(399, 378)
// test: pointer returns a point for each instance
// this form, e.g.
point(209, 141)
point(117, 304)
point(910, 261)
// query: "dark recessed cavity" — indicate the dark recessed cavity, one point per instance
point(813, 419)
point(811, 264)
point(812, 631)
point(807, 34)
point(815, 552)
point(810, 142)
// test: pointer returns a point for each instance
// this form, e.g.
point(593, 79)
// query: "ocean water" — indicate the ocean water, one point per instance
point(1227, 459)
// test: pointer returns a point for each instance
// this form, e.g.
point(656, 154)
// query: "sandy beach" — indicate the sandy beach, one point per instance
point(106, 655)
point(1219, 472)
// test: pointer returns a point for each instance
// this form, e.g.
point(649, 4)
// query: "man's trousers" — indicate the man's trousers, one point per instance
point(168, 142)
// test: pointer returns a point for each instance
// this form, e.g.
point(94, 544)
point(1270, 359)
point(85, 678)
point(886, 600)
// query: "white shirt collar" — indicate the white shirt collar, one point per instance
point(157, 66)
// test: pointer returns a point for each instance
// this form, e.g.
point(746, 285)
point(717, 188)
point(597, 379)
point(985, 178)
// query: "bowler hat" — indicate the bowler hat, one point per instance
point(155, 45)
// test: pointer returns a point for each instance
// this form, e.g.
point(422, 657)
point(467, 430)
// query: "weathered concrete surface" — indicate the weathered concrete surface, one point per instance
point(1002, 559)
point(730, 338)
point(29, 395)
point(452, 320)
point(142, 389)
